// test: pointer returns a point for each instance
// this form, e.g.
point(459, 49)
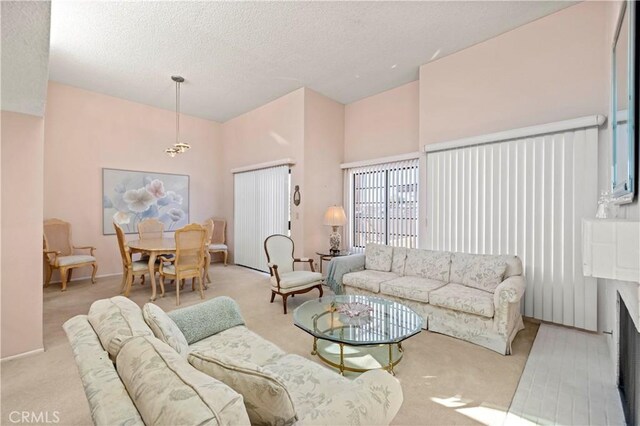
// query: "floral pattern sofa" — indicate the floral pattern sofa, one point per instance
point(201, 365)
point(471, 297)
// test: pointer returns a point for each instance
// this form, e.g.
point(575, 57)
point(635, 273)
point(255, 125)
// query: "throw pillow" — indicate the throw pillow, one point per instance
point(167, 390)
point(165, 329)
point(484, 272)
point(267, 399)
point(378, 257)
point(115, 320)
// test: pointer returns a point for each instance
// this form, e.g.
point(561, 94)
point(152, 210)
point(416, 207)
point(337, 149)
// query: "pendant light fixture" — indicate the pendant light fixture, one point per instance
point(178, 147)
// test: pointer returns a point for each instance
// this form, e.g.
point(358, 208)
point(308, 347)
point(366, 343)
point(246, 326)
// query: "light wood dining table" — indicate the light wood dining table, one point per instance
point(154, 247)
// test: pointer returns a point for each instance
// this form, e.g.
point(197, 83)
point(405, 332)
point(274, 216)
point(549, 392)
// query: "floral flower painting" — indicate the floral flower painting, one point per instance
point(129, 197)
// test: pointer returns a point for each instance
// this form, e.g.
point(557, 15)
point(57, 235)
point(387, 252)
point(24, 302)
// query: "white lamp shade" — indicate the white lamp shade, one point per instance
point(335, 216)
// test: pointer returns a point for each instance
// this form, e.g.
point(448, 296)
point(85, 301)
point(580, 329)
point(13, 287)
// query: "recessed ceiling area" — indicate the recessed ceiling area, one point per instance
point(236, 56)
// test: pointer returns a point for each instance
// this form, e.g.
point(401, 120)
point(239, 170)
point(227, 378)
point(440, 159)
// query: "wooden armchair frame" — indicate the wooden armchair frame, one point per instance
point(273, 270)
point(129, 273)
point(63, 247)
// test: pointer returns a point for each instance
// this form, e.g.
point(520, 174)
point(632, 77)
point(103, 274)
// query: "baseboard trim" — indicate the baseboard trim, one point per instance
point(88, 277)
point(22, 355)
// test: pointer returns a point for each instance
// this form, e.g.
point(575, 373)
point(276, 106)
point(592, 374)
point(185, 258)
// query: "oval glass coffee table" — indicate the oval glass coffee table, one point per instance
point(358, 343)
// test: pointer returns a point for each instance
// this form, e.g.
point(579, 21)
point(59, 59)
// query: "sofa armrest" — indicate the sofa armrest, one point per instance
point(510, 290)
point(374, 398)
point(343, 265)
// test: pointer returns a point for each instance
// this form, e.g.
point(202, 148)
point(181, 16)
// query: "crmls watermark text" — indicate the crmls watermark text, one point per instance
point(34, 417)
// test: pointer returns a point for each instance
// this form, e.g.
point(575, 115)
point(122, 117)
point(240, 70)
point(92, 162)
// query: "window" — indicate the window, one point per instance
point(383, 204)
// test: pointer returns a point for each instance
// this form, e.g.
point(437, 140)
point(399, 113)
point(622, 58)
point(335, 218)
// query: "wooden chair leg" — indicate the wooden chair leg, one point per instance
point(178, 291)
point(226, 254)
point(193, 280)
point(142, 279)
point(201, 285)
point(273, 296)
point(48, 277)
point(161, 282)
point(129, 283)
point(320, 290)
point(63, 277)
point(69, 273)
point(93, 274)
point(123, 285)
point(284, 302)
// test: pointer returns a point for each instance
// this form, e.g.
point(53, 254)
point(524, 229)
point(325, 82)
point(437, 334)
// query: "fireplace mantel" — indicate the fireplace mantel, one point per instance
point(611, 249)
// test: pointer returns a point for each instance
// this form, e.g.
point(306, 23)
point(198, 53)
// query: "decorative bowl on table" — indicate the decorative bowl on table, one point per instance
point(354, 313)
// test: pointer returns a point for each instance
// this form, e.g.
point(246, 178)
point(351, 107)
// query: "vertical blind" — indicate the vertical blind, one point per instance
point(261, 208)
point(525, 197)
point(382, 204)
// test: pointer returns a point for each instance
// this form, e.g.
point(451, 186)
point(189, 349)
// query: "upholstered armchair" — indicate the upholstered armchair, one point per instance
point(188, 261)
point(59, 252)
point(285, 281)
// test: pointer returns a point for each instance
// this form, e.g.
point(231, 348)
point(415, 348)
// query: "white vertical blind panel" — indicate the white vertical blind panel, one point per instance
point(525, 197)
point(261, 208)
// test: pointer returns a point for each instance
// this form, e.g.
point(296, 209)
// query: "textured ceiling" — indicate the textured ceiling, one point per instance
point(25, 55)
point(238, 56)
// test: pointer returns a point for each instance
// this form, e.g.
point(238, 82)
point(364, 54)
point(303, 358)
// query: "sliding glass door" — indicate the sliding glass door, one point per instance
point(261, 208)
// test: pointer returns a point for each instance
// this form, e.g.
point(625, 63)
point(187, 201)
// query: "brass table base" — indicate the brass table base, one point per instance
point(375, 355)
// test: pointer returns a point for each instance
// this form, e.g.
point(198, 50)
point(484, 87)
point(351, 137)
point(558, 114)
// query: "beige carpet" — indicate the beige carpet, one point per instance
point(445, 381)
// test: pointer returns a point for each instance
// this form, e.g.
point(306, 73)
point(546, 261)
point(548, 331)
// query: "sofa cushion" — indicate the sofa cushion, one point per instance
point(462, 298)
point(167, 390)
point(430, 264)
point(398, 260)
point(75, 259)
point(265, 395)
point(412, 288)
point(514, 266)
point(309, 383)
point(367, 280)
point(484, 272)
point(241, 344)
point(205, 319)
point(297, 279)
point(115, 320)
point(378, 257)
point(165, 329)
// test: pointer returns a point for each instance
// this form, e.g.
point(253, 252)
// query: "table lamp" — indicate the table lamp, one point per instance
point(335, 217)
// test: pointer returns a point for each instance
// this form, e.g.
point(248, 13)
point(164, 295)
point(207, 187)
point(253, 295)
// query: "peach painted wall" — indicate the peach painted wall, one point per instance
point(271, 132)
point(324, 128)
point(552, 69)
point(382, 125)
point(86, 131)
point(22, 213)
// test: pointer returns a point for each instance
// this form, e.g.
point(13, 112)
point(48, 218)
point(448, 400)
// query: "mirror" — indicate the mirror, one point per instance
point(624, 101)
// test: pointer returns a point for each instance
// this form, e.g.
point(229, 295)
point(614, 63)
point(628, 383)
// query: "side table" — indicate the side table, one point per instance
point(324, 256)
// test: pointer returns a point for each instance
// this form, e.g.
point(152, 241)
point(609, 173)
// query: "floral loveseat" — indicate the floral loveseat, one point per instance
point(201, 365)
point(471, 297)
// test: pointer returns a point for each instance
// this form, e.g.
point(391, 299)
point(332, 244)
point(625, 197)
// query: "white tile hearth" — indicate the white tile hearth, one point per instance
point(568, 380)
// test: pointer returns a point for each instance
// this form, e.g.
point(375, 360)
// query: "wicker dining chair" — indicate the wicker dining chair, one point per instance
point(150, 229)
point(219, 239)
point(188, 261)
point(130, 268)
point(59, 252)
